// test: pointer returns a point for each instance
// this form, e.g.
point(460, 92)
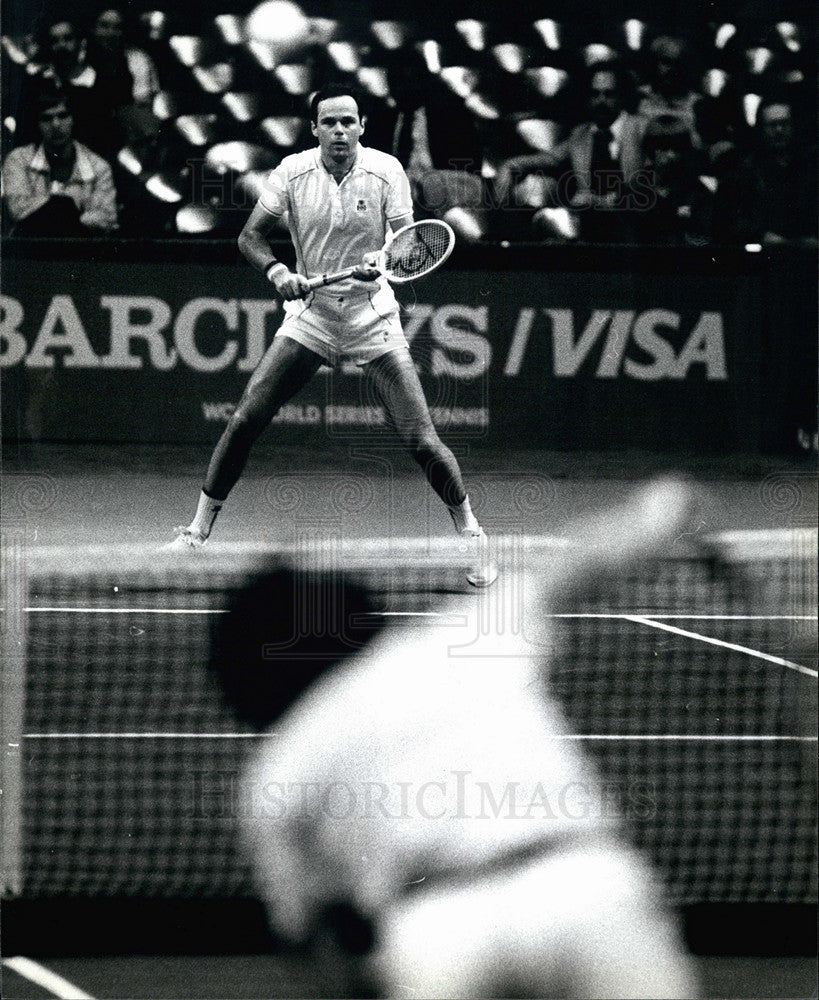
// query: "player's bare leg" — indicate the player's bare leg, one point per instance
point(285, 369)
point(397, 385)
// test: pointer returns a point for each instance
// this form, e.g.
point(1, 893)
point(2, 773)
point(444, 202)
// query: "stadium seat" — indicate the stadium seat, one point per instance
point(461, 80)
point(551, 32)
point(191, 50)
point(230, 28)
point(758, 60)
point(482, 107)
point(714, 82)
point(197, 130)
point(197, 219)
point(790, 35)
point(166, 186)
point(16, 49)
point(750, 106)
point(283, 130)
point(154, 24)
point(374, 80)
point(129, 160)
point(323, 30)
point(538, 133)
point(215, 79)
point(510, 57)
point(170, 104)
point(547, 80)
point(723, 33)
point(295, 78)
point(239, 157)
point(634, 34)
point(431, 52)
point(345, 56)
point(391, 35)
point(597, 52)
point(474, 33)
point(264, 54)
point(244, 107)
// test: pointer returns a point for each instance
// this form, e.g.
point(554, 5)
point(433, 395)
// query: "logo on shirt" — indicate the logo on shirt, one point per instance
point(361, 205)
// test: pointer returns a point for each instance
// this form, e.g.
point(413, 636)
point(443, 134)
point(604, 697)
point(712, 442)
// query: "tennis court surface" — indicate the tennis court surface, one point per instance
point(692, 684)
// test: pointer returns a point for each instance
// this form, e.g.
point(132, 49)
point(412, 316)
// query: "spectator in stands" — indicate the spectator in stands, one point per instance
point(678, 203)
point(62, 53)
point(667, 90)
point(772, 198)
point(128, 75)
point(435, 139)
point(58, 187)
point(592, 169)
point(112, 58)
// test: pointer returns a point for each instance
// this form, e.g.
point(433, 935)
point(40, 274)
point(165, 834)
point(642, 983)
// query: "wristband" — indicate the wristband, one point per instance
point(272, 267)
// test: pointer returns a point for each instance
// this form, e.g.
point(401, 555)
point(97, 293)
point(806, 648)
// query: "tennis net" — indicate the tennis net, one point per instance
point(690, 683)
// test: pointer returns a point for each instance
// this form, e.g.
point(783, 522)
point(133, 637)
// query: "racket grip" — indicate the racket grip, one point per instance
point(329, 279)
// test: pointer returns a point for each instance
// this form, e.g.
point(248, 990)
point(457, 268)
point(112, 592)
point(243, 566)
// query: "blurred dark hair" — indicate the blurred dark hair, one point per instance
point(283, 630)
point(47, 94)
point(48, 20)
point(337, 90)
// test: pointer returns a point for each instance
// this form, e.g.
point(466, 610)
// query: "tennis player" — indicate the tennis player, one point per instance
point(417, 821)
point(338, 200)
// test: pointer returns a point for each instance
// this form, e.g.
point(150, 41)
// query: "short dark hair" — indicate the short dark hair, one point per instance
point(48, 21)
point(282, 631)
point(48, 95)
point(337, 90)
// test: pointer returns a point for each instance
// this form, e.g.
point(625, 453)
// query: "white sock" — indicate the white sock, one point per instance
point(206, 512)
point(465, 521)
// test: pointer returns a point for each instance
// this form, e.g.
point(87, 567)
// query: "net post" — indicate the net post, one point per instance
point(13, 649)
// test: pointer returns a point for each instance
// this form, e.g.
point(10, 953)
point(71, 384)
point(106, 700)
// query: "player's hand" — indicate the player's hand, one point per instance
point(368, 271)
point(290, 285)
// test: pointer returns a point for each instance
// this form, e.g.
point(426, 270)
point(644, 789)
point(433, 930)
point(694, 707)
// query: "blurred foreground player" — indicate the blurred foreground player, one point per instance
point(339, 200)
point(412, 819)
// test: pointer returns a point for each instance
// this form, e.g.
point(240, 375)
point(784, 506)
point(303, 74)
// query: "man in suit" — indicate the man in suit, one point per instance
point(588, 173)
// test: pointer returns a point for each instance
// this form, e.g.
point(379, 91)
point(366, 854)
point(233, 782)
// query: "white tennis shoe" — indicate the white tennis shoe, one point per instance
point(483, 572)
point(186, 538)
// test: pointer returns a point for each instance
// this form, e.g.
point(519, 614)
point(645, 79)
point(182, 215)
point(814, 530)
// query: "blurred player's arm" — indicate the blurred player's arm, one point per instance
point(256, 247)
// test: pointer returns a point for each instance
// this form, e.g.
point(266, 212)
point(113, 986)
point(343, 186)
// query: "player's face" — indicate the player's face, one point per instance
point(338, 128)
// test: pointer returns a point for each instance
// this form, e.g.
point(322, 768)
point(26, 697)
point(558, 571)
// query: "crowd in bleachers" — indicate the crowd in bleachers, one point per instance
point(617, 122)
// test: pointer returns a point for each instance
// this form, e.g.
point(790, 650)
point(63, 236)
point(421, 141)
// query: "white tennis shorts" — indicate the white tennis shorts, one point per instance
point(578, 922)
point(344, 326)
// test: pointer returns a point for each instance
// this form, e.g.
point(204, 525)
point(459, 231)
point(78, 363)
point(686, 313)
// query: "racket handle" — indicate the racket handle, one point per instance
point(329, 279)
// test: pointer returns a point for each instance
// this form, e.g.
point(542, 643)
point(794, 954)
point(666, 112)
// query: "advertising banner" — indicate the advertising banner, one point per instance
point(160, 353)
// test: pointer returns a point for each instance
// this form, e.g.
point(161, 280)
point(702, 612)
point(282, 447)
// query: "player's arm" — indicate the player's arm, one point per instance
point(256, 247)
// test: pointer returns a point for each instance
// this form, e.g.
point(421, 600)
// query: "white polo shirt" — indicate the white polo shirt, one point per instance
point(333, 224)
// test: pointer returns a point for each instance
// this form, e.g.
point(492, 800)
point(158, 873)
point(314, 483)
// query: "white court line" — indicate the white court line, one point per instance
point(778, 660)
point(426, 614)
point(44, 977)
point(708, 737)
point(132, 611)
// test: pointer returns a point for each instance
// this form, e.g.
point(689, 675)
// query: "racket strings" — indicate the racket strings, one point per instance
point(417, 250)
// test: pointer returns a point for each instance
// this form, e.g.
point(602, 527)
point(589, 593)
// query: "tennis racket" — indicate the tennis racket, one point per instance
point(409, 253)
